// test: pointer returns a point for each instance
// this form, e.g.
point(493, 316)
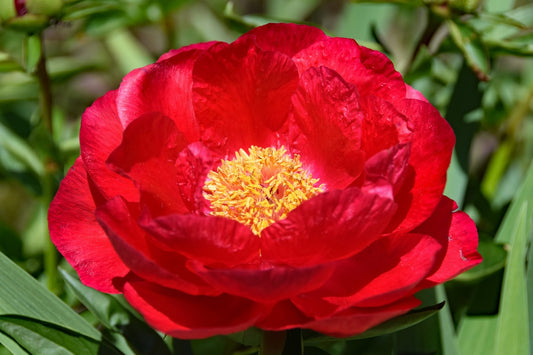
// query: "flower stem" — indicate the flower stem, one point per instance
point(282, 343)
point(45, 89)
point(46, 104)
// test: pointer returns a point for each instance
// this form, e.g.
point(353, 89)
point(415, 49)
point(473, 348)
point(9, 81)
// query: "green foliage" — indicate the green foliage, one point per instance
point(472, 59)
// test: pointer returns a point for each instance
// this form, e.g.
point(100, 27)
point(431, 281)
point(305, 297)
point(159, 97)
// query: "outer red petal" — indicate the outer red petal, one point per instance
point(388, 270)
point(287, 38)
point(131, 243)
point(357, 320)
point(196, 46)
point(431, 150)
point(326, 110)
point(267, 284)
point(147, 155)
point(77, 235)
point(208, 239)
point(100, 133)
point(330, 226)
point(370, 71)
point(191, 317)
point(242, 95)
point(163, 87)
point(458, 235)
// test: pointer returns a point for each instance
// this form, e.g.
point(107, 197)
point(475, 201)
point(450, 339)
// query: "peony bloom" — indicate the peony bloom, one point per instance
point(287, 179)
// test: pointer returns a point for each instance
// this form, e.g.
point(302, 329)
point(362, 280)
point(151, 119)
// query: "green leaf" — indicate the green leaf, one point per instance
point(476, 335)
point(449, 342)
point(512, 217)
point(142, 339)
point(20, 150)
point(21, 294)
point(393, 325)
point(469, 43)
point(43, 338)
point(512, 335)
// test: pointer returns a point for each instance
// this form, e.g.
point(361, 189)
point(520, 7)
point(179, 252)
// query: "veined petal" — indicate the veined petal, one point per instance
point(338, 223)
point(242, 95)
point(328, 134)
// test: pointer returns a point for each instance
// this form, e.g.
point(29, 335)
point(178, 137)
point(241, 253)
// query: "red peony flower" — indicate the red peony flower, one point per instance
point(288, 179)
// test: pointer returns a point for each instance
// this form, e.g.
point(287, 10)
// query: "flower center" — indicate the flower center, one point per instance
point(260, 187)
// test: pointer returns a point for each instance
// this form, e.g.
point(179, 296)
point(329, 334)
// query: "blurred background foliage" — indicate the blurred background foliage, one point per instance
point(472, 59)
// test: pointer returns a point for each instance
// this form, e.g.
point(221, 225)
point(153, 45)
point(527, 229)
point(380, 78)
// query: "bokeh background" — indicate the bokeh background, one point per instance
point(472, 59)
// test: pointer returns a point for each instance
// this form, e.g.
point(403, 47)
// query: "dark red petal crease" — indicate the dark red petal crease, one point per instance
point(77, 235)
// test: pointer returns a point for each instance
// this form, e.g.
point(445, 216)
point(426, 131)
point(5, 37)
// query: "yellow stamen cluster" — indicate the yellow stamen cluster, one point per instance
point(260, 187)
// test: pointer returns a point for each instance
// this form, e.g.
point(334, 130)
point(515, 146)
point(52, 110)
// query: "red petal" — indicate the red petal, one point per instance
point(196, 46)
point(370, 71)
point(389, 165)
point(241, 95)
point(191, 317)
point(268, 284)
point(338, 223)
point(383, 273)
point(383, 126)
point(208, 239)
point(287, 38)
point(77, 235)
point(326, 110)
point(431, 150)
point(131, 243)
point(163, 87)
point(100, 133)
point(458, 235)
point(147, 155)
point(357, 320)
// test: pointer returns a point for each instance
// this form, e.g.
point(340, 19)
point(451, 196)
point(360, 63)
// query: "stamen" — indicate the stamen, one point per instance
point(260, 187)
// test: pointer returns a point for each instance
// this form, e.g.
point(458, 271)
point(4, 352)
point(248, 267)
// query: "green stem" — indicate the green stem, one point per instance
point(45, 100)
point(45, 89)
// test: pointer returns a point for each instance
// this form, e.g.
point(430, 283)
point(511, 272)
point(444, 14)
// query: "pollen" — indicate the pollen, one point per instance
point(259, 187)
